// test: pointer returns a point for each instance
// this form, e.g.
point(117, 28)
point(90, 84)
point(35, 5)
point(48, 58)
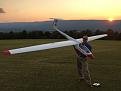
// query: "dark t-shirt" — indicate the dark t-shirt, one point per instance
point(81, 54)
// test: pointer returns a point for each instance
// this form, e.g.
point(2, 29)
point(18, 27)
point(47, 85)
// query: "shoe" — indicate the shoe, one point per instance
point(96, 84)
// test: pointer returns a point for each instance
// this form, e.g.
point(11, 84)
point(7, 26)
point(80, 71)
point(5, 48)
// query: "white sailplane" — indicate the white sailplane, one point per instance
point(71, 41)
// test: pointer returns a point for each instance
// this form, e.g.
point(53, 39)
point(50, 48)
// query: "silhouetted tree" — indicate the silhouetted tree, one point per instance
point(47, 34)
point(110, 34)
point(119, 36)
point(55, 35)
point(11, 35)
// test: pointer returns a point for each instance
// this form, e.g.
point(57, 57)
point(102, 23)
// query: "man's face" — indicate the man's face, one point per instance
point(85, 39)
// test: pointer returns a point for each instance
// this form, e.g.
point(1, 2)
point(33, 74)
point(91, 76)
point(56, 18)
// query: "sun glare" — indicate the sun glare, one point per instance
point(111, 19)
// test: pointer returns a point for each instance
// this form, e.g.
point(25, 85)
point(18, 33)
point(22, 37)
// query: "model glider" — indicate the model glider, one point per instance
point(71, 41)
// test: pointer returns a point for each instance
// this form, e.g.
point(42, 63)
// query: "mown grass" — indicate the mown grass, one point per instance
point(55, 69)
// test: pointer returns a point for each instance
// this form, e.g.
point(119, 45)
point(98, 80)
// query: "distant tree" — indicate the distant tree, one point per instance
point(11, 35)
point(116, 35)
point(35, 35)
point(24, 34)
point(56, 35)
point(40, 34)
point(88, 32)
point(47, 34)
point(119, 36)
point(31, 35)
point(83, 32)
point(2, 35)
point(79, 34)
point(98, 32)
point(110, 34)
point(72, 33)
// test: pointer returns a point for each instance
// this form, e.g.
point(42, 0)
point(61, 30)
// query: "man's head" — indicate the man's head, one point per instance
point(85, 38)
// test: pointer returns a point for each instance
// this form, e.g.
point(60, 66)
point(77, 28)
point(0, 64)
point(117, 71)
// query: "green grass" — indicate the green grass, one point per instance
point(55, 69)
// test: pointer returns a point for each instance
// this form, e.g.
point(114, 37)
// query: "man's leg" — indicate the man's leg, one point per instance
point(79, 67)
point(85, 70)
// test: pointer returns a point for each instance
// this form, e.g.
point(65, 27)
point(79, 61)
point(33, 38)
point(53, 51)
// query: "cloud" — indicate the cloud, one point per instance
point(1, 10)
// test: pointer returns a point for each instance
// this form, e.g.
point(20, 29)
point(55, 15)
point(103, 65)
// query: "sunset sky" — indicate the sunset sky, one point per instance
point(40, 10)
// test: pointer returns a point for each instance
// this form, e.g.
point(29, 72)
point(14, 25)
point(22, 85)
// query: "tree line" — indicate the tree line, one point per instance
point(112, 35)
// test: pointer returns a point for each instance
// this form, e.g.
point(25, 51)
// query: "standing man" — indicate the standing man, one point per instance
point(82, 64)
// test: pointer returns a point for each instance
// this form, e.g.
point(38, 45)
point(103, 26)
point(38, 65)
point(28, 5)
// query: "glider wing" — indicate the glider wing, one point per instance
point(48, 46)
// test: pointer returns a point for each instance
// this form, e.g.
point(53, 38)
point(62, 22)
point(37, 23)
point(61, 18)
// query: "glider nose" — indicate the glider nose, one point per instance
point(6, 52)
point(90, 56)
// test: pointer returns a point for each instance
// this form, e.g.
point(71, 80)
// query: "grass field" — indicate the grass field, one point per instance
point(55, 69)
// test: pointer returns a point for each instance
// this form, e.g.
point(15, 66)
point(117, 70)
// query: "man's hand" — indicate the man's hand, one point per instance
point(91, 56)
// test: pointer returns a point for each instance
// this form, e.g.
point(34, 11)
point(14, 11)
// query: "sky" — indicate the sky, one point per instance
point(40, 10)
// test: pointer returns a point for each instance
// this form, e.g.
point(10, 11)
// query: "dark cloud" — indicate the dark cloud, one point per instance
point(1, 10)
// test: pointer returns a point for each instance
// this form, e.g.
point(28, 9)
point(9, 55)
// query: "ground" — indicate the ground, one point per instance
point(55, 69)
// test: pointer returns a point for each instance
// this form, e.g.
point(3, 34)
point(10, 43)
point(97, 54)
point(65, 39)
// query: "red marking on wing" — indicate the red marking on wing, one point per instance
point(6, 52)
point(90, 56)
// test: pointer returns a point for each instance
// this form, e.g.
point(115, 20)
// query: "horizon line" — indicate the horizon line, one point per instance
point(62, 20)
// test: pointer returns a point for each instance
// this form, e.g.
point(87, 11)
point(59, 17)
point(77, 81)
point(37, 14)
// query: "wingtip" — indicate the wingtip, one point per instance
point(106, 34)
point(6, 53)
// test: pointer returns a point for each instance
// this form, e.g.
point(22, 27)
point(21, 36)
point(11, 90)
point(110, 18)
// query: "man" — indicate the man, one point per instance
point(82, 64)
